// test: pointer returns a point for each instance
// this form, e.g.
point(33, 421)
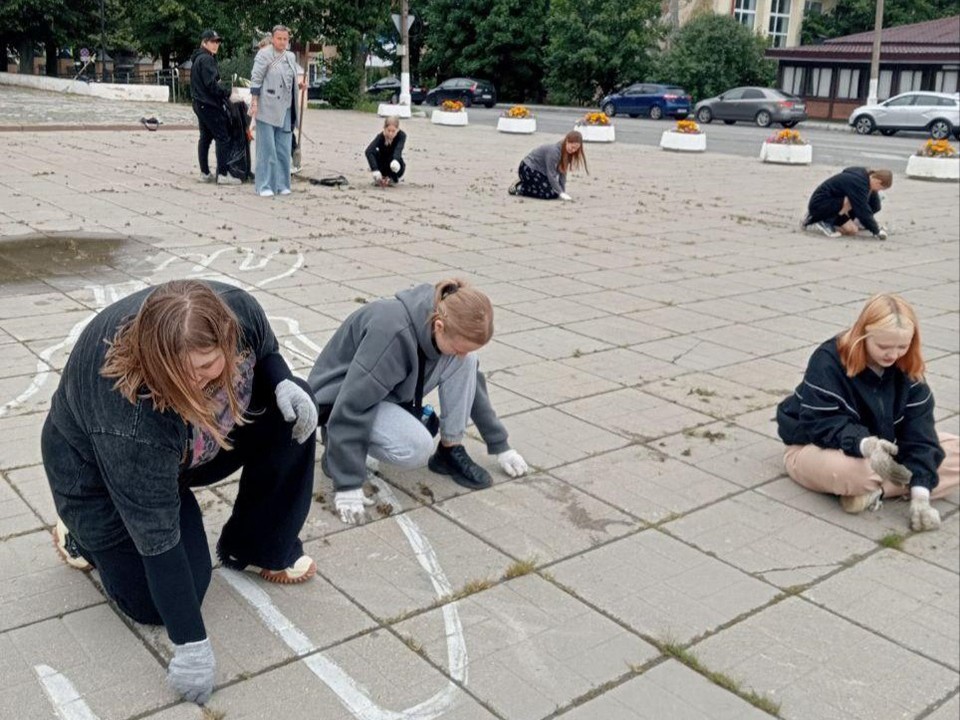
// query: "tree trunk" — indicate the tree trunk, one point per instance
point(51, 52)
point(27, 53)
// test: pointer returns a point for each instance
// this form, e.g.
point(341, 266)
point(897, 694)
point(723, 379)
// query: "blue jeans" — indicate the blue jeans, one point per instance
point(274, 146)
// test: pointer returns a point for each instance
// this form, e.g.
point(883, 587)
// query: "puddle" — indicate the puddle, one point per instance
point(27, 258)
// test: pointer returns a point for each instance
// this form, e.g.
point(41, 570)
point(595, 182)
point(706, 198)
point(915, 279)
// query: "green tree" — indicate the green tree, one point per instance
point(854, 16)
point(596, 45)
point(498, 40)
point(713, 53)
point(27, 24)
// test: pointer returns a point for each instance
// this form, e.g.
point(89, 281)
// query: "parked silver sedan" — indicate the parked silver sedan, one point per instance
point(939, 113)
point(763, 106)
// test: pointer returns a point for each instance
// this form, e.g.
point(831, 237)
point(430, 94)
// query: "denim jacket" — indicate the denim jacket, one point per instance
point(114, 465)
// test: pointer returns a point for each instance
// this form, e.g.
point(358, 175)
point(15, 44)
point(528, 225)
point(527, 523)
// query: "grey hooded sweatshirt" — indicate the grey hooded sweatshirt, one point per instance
point(373, 358)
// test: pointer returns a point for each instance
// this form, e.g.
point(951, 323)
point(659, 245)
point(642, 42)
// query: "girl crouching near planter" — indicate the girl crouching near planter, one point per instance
point(847, 202)
point(170, 388)
point(543, 173)
point(385, 153)
point(371, 377)
point(861, 425)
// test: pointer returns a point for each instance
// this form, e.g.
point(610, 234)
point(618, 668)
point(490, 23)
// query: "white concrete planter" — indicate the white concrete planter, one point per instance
point(597, 133)
point(683, 142)
point(391, 110)
point(927, 168)
point(783, 154)
point(439, 117)
point(522, 126)
point(112, 91)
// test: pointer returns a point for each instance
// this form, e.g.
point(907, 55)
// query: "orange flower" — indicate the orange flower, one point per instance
point(451, 106)
point(595, 118)
point(518, 112)
point(688, 127)
point(938, 149)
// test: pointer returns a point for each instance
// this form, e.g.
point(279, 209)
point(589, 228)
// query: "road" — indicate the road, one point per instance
point(831, 146)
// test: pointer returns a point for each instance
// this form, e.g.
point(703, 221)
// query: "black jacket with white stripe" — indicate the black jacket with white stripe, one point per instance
point(833, 411)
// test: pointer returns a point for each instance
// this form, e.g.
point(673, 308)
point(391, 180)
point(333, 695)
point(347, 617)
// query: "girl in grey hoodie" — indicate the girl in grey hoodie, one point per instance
point(371, 376)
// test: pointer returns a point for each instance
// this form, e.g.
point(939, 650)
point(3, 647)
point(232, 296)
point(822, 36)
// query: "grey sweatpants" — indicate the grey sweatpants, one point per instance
point(398, 438)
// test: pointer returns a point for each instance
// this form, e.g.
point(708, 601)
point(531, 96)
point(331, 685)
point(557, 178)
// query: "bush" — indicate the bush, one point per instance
point(343, 89)
point(239, 65)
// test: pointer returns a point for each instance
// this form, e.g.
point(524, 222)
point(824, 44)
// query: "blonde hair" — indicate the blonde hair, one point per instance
point(392, 120)
point(149, 355)
point(884, 176)
point(574, 160)
point(466, 312)
point(882, 312)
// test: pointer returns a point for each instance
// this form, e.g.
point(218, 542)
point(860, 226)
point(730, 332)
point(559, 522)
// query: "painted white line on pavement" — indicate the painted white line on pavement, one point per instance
point(66, 701)
point(353, 696)
point(293, 268)
point(883, 156)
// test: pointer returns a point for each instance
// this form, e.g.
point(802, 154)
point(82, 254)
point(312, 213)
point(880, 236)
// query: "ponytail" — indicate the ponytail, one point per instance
point(466, 312)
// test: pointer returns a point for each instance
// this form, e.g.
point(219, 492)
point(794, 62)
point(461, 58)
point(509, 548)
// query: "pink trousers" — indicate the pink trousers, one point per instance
point(832, 471)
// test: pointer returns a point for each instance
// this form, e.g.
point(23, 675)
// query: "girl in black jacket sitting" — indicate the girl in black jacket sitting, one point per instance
point(847, 202)
point(384, 154)
point(861, 423)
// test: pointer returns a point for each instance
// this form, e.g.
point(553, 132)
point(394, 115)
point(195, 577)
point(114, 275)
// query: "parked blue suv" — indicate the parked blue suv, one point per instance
point(648, 100)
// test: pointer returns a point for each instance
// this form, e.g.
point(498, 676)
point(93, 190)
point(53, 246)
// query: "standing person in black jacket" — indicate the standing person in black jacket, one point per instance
point(385, 153)
point(208, 105)
point(847, 202)
point(862, 403)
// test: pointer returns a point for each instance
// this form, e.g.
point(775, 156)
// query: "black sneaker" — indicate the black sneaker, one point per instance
point(512, 190)
point(455, 462)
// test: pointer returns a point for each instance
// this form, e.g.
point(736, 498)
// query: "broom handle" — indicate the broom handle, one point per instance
point(303, 111)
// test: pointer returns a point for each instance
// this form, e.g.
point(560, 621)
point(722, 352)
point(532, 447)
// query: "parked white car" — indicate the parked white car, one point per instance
point(937, 112)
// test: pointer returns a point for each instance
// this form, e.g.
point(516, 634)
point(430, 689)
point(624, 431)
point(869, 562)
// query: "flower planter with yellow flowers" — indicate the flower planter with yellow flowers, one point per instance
point(786, 148)
point(450, 112)
point(517, 120)
point(685, 137)
point(596, 127)
point(936, 160)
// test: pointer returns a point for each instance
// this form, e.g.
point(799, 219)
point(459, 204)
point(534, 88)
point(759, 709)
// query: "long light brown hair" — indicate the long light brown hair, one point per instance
point(467, 313)
point(569, 160)
point(884, 176)
point(149, 355)
point(882, 312)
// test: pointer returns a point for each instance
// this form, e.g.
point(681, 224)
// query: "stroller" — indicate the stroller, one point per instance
point(238, 126)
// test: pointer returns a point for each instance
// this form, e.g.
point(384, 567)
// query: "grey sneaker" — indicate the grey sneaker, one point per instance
point(208, 178)
point(67, 548)
point(228, 180)
point(827, 229)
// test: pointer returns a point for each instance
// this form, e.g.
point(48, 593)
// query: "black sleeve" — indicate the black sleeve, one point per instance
point(205, 74)
point(860, 200)
point(875, 202)
point(372, 153)
point(398, 142)
point(175, 595)
point(919, 446)
point(261, 340)
point(827, 416)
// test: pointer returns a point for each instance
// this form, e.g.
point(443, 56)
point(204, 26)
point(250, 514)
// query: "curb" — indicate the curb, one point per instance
point(85, 127)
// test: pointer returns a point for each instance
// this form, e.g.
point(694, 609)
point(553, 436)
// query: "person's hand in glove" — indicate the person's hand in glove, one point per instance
point(351, 506)
point(512, 463)
point(295, 404)
point(377, 178)
point(922, 516)
point(564, 196)
point(191, 671)
point(395, 166)
point(880, 454)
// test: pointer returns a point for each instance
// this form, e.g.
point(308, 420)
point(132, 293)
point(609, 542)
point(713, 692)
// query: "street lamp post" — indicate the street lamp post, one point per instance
point(875, 56)
point(405, 54)
point(103, 44)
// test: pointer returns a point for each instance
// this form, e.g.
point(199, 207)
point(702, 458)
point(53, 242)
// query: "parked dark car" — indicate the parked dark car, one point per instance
point(466, 90)
point(388, 89)
point(317, 89)
point(649, 100)
point(763, 106)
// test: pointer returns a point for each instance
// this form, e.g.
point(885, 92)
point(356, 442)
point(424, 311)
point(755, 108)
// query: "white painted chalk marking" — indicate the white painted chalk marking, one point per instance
point(66, 701)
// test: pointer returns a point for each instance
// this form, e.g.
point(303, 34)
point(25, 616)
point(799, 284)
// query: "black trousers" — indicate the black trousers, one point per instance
point(276, 485)
point(214, 125)
point(383, 165)
point(829, 209)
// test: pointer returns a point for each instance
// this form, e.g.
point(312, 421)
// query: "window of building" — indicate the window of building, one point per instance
point(745, 12)
point(819, 85)
point(779, 22)
point(812, 8)
point(946, 81)
point(884, 84)
point(848, 84)
point(910, 80)
point(792, 80)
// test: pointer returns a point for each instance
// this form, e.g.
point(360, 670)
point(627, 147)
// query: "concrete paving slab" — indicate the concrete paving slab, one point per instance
point(16, 517)
point(31, 484)
point(661, 587)
point(669, 690)
point(532, 647)
point(839, 671)
point(942, 548)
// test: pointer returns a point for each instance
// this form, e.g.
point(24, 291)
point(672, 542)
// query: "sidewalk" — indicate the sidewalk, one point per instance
point(657, 565)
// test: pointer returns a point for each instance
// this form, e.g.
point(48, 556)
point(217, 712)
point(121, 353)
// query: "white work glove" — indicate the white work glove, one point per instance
point(512, 463)
point(922, 516)
point(191, 671)
point(351, 506)
point(564, 196)
point(377, 177)
point(395, 165)
point(295, 403)
point(882, 234)
point(880, 454)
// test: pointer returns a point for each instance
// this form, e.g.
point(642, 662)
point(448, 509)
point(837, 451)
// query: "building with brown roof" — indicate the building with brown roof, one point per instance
point(833, 77)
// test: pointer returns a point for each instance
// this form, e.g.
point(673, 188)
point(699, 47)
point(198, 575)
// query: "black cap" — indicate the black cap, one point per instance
point(209, 35)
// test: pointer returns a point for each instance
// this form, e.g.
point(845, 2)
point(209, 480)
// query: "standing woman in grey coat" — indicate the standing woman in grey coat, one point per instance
point(543, 173)
point(274, 107)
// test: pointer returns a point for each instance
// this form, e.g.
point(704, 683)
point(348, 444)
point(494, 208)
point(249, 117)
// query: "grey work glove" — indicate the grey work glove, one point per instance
point(295, 404)
point(880, 454)
point(191, 671)
point(922, 516)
